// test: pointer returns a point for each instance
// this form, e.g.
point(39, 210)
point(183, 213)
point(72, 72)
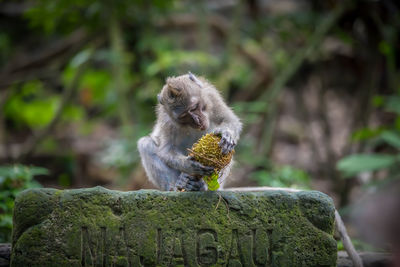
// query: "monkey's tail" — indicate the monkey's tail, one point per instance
point(341, 228)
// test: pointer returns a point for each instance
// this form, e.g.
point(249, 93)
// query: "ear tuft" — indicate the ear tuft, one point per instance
point(194, 79)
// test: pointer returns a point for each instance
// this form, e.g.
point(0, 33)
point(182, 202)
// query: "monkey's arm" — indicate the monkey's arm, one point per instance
point(227, 124)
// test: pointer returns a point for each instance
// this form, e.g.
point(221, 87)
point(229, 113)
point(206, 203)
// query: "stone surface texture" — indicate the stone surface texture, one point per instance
point(100, 227)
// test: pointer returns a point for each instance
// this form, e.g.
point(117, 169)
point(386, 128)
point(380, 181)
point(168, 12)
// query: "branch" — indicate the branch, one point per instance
point(119, 69)
point(30, 145)
point(272, 93)
point(25, 63)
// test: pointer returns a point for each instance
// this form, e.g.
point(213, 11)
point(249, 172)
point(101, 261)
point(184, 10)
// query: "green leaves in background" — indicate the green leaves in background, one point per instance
point(283, 176)
point(180, 61)
point(387, 134)
point(393, 104)
point(366, 133)
point(93, 87)
point(31, 106)
point(357, 163)
point(250, 112)
point(68, 15)
point(354, 164)
point(391, 138)
point(14, 179)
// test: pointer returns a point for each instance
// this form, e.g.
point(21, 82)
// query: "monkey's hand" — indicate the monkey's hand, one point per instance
point(227, 142)
point(195, 168)
point(187, 182)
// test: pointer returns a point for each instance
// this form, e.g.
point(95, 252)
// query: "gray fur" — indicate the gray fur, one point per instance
point(164, 151)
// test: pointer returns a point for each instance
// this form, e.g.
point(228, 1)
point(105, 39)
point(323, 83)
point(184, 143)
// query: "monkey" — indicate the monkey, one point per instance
point(188, 108)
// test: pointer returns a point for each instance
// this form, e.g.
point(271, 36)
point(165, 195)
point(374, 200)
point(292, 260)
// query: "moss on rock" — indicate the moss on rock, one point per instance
point(96, 226)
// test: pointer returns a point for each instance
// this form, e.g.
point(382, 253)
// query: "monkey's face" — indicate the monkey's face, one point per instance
point(194, 115)
point(183, 102)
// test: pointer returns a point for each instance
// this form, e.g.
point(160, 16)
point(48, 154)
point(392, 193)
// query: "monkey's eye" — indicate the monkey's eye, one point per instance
point(203, 108)
point(195, 107)
point(183, 115)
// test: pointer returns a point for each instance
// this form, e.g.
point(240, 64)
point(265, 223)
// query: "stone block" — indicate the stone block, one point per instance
point(100, 227)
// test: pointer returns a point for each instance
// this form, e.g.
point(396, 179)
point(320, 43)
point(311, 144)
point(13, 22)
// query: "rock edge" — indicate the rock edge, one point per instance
point(96, 226)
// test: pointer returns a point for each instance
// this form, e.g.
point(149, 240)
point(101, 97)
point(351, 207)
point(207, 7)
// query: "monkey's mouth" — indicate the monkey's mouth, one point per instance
point(198, 122)
point(202, 127)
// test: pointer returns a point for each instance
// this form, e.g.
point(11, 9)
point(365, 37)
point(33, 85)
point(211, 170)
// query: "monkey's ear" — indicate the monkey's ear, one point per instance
point(174, 92)
point(159, 98)
point(194, 79)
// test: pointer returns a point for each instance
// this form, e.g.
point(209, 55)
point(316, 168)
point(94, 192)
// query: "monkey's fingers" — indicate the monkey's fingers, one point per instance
point(199, 169)
point(181, 183)
point(223, 142)
point(193, 185)
point(227, 143)
point(226, 148)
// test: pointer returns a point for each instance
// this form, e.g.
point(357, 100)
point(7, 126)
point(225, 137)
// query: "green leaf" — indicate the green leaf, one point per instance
point(213, 185)
point(378, 101)
point(385, 48)
point(393, 104)
point(365, 133)
point(212, 181)
point(392, 138)
point(14, 179)
point(282, 176)
point(38, 171)
point(357, 163)
point(31, 106)
point(397, 123)
point(73, 113)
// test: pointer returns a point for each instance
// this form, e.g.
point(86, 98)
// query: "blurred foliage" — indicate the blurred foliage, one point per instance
point(14, 179)
point(31, 106)
point(259, 57)
point(283, 176)
point(136, 46)
point(385, 135)
point(357, 163)
point(64, 15)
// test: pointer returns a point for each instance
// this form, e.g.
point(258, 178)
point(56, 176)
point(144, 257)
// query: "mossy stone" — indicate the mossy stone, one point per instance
point(100, 227)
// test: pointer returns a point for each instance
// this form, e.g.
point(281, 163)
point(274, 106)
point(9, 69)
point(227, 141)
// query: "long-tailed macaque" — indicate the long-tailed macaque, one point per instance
point(188, 108)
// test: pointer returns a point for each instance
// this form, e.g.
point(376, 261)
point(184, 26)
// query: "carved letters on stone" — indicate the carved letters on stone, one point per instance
point(206, 247)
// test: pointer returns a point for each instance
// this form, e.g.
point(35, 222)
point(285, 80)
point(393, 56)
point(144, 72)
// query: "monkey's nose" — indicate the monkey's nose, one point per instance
point(196, 120)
